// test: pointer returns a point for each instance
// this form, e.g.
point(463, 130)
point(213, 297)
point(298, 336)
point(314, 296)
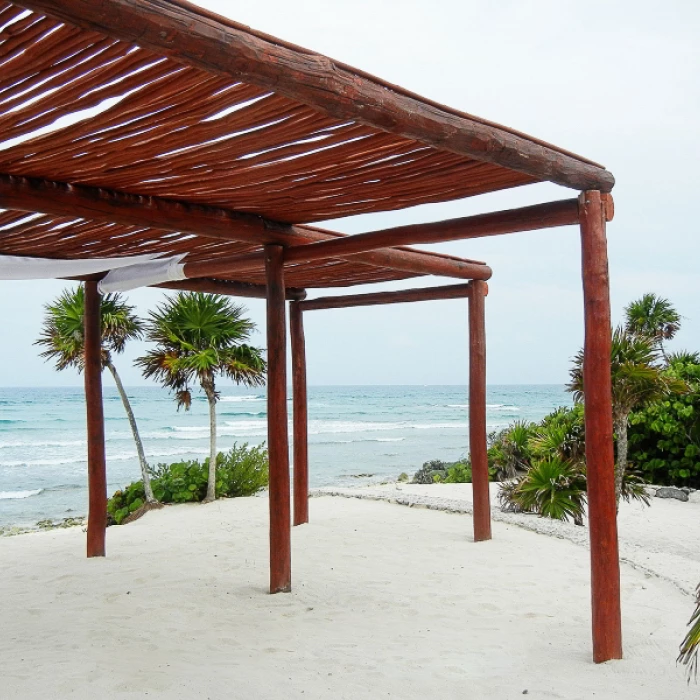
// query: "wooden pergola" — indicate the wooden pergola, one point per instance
point(153, 126)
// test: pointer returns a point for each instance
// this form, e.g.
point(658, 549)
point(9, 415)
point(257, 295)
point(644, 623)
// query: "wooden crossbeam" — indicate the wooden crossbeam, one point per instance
point(62, 199)
point(451, 291)
point(539, 216)
point(220, 46)
point(234, 289)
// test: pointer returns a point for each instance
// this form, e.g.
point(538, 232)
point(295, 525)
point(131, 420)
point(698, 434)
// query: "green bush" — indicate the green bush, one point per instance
point(125, 501)
point(552, 488)
point(459, 473)
point(664, 437)
point(242, 471)
point(509, 450)
point(431, 472)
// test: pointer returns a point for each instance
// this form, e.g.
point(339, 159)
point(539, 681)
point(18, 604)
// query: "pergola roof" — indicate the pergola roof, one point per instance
point(204, 111)
point(152, 126)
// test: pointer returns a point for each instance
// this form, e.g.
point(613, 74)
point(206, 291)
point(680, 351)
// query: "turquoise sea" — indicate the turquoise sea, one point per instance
point(379, 431)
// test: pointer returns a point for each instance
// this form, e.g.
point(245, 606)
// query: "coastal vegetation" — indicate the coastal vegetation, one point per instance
point(656, 415)
point(242, 471)
point(638, 380)
point(63, 336)
point(198, 338)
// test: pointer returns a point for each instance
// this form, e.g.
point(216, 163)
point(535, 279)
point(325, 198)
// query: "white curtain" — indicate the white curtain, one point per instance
point(123, 273)
point(143, 275)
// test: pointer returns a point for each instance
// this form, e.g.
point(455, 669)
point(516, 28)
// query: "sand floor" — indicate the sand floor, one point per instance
point(388, 601)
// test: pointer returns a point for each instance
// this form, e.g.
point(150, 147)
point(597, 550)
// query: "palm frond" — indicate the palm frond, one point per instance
point(197, 337)
point(63, 335)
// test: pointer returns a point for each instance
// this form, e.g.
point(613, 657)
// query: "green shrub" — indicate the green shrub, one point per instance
point(431, 472)
point(459, 473)
point(180, 482)
point(509, 452)
point(552, 488)
point(123, 502)
point(242, 471)
point(664, 437)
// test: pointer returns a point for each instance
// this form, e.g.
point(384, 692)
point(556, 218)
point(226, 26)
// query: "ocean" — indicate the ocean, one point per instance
point(357, 434)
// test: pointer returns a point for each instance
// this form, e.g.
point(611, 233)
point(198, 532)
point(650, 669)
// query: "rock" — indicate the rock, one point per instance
point(672, 492)
point(694, 496)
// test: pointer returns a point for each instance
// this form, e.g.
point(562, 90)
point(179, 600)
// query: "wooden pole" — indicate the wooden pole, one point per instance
point(277, 438)
point(301, 434)
point(477, 412)
point(97, 471)
point(600, 459)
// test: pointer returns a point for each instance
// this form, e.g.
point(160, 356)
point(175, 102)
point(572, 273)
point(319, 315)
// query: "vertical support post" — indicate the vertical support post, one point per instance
point(97, 470)
point(301, 447)
point(278, 441)
point(600, 458)
point(477, 411)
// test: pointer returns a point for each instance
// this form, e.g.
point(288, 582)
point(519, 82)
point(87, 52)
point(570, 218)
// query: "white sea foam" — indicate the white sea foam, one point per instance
point(495, 406)
point(7, 495)
point(236, 399)
point(48, 443)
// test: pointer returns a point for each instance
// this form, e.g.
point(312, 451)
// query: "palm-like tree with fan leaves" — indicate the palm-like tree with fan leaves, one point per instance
point(63, 336)
point(199, 337)
point(653, 317)
point(637, 380)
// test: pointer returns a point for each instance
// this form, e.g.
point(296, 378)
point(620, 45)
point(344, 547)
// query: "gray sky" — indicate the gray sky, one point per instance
point(617, 82)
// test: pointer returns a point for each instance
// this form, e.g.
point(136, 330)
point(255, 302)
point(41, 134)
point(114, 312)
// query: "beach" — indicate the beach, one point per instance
point(387, 601)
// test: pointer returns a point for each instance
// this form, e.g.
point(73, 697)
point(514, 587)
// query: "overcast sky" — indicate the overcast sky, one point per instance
point(617, 82)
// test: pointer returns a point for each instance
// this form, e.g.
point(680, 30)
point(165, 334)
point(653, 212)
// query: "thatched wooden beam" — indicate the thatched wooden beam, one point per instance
point(61, 199)
point(452, 291)
point(217, 45)
point(234, 289)
point(391, 258)
point(539, 216)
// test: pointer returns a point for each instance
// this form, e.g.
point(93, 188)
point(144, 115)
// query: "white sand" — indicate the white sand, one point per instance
point(388, 602)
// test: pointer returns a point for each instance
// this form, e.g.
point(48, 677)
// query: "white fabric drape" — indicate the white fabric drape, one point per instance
point(143, 275)
point(122, 275)
point(15, 267)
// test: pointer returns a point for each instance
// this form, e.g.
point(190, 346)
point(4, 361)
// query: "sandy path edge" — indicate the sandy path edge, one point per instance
point(667, 565)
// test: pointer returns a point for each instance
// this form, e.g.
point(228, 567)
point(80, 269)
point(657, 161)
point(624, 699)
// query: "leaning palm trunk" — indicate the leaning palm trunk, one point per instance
point(150, 498)
point(211, 479)
point(620, 424)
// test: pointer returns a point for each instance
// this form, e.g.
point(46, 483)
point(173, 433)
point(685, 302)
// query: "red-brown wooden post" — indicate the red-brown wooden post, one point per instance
point(477, 411)
point(277, 438)
point(97, 471)
point(301, 447)
point(600, 459)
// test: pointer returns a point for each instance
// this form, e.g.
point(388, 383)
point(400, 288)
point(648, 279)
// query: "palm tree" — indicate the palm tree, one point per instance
point(63, 336)
point(637, 380)
point(654, 318)
point(199, 336)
